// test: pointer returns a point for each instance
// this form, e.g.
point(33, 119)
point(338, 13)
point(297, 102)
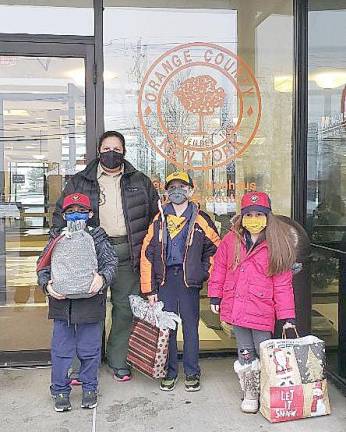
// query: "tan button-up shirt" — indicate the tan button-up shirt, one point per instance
point(111, 213)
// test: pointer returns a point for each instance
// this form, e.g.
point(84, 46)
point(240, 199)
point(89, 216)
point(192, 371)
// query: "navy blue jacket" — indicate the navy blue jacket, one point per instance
point(200, 246)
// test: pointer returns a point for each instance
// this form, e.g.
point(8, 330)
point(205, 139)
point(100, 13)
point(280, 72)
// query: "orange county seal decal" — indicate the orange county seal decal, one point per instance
point(199, 106)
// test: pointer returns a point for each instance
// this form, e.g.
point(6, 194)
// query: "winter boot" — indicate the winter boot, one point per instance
point(249, 378)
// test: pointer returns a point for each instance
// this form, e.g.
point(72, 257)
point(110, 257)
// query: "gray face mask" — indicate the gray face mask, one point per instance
point(178, 195)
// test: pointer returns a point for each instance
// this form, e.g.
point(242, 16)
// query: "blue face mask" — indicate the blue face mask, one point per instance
point(76, 216)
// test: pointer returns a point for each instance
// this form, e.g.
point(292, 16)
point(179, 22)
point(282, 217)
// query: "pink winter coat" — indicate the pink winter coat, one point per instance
point(250, 298)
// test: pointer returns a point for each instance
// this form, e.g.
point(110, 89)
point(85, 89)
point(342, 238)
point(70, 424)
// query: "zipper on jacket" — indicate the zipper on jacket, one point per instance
point(125, 211)
point(185, 256)
point(255, 249)
point(163, 265)
point(163, 256)
point(188, 242)
point(69, 313)
point(97, 218)
point(161, 233)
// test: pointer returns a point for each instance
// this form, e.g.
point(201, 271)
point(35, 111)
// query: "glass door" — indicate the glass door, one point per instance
point(326, 193)
point(217, 103)
point(44, 139)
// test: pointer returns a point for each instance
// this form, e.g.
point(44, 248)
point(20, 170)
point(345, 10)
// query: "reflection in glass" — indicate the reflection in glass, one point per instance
point(326, 192)
point(42, 143)
point(174, 112)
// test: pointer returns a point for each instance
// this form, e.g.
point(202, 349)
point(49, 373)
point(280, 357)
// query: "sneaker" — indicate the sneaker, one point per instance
point(192, 383)
point(62, 402)
point(122, 375)
point(89, 399)
point(168, 384)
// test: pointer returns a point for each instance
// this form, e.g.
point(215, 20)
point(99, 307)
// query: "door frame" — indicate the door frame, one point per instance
point(63, 47)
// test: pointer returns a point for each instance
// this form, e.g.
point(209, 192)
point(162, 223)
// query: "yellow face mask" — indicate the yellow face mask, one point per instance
point(254, 224)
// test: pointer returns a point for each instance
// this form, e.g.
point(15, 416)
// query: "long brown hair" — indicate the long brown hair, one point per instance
point(281, 239)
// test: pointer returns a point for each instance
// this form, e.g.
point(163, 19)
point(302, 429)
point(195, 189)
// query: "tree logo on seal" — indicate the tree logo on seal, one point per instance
point(199, 106)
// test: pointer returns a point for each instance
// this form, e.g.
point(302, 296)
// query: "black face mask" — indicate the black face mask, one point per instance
point(111, 159)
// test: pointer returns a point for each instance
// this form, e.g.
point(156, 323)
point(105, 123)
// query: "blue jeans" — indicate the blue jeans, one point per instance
point(68, 341)
point(185, 302)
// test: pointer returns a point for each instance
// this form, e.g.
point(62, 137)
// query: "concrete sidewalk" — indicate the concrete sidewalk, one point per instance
point(139, 406)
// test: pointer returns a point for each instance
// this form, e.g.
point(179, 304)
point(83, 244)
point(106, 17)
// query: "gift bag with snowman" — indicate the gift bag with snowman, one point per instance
point(293, 382)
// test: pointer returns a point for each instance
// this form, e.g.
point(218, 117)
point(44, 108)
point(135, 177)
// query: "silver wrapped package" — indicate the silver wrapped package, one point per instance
point(73, 264)
point(154, 315)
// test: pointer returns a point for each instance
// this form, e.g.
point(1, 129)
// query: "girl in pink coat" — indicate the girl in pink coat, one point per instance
point(251, 285)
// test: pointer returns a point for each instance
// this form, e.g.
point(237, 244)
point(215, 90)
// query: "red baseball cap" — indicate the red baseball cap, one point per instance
point(76, 199)
point(255, 201)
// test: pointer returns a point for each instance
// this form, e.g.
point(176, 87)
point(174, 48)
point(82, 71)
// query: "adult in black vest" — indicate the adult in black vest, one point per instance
point(124, 202)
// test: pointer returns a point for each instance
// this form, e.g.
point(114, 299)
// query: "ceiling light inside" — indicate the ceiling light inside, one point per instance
point(78, 76)
point(283, 84)
point(329, 79)
point(16, 112)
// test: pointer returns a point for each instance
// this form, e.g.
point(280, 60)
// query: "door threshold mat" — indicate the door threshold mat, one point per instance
point(211, 320)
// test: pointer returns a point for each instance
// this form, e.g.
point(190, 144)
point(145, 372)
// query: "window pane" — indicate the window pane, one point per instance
point(255, 129)
point(326, 194)
point(207, 89)
point(60, 17)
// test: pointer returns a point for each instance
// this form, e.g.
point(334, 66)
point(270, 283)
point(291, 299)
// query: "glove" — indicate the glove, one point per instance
point(288, 323)
point(297, 267)
point(215, 304)
point(215, 300)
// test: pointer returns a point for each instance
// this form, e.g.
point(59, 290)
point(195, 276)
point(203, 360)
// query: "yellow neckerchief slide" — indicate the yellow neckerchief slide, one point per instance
point(175, 224)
